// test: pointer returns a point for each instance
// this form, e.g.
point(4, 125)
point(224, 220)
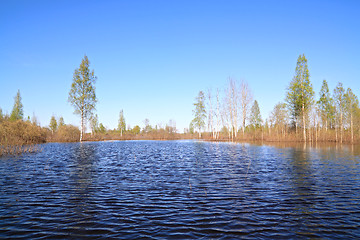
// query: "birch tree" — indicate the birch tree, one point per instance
point(225, 115)
point(232, 99)
point(245, 101)
point(218, 115)
point(82, 93)
point(210, 114)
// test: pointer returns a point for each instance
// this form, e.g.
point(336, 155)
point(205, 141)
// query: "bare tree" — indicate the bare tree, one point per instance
point(210, 114)
point(225, 115)
point(245, 101)
point(232, 99)
point(279, 119)
point(218, 117)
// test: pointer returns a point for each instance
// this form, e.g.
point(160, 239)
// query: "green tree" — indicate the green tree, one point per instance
point(279, 118)
point(94, 124)
point(300, 93)
point(191, 127)
point(61, 122)
point(255, 116)
point(53, 124)
point(102, 128)
point(326, 106)
point(340, 106)
point(148, 128)
point(136, 130)
point(17, 112)
point(121, 124)
point(1, 115)
point(351, 108)
point(199, 112)
point(82, 93)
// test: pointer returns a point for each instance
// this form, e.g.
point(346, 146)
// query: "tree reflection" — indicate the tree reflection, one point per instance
point(81, 180)
point(301, 172)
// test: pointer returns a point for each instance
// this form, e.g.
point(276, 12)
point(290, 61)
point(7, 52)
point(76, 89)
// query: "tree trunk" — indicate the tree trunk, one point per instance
point(336, 133)
point(352, 128)
point(304, 122)
point(326, 125)
point(82, 126)
point(341, 127)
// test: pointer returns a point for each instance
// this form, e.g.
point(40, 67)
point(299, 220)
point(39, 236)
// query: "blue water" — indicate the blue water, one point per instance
point(180, 189)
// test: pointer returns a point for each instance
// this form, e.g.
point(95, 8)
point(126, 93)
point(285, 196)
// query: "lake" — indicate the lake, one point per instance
point(180, 190)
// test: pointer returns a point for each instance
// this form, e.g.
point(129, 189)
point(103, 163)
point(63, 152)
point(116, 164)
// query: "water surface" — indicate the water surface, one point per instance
point(180, 189)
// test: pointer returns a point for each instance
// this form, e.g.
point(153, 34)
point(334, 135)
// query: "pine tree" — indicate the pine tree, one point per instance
point(199, 112)
point(339, 98)
point(351, 107)
point(17, 112)
point(300, 93)
point(121, 124)
point(326, 106)
point(255, 116)
point(53, 124)
point(82, 93)
point(102, 128)
point(61, 122)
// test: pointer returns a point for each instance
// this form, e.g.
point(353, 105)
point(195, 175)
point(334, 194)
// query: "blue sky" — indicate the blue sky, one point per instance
point(153, 57)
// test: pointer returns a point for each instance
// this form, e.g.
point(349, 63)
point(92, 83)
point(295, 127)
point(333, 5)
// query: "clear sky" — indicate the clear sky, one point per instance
point(153, 57)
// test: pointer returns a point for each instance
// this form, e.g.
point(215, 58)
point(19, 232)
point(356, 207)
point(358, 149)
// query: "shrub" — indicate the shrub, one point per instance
point(19, 136)
point(67, 133)
point(21, 133)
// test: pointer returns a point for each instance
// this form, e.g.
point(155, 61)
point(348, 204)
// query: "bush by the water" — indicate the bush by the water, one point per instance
point(21, 133)
point(65, 133)
point(20, 136)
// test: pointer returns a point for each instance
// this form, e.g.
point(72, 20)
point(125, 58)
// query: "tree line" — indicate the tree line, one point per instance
point(230, 114)
point(235, 115)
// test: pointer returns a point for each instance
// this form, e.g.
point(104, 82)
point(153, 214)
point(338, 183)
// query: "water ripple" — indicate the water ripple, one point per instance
point(179, 189)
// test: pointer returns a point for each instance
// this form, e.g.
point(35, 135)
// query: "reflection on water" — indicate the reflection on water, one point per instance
point(181, 189)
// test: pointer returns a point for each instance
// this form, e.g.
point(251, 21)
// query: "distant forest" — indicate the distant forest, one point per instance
point(230, 114)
